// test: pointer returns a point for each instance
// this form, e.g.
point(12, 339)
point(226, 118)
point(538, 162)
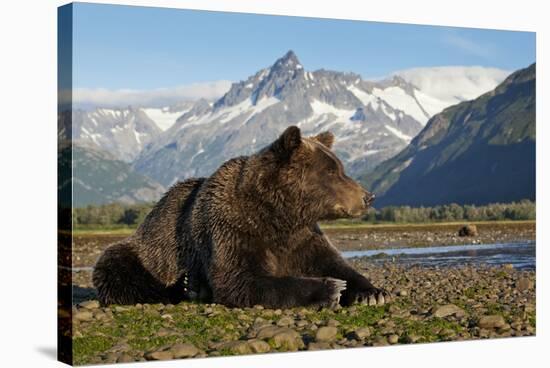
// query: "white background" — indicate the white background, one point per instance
point(28, 170)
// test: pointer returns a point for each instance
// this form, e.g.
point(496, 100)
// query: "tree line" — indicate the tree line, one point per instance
point(116, 214)
point(113, 214)
point(522, 210)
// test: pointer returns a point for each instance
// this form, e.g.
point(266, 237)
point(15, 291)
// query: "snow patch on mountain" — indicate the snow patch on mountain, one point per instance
point(429, 103)
point(398, 134)
point(163, 117)
point(364, 97)
point(321, 108)
point(401, 100)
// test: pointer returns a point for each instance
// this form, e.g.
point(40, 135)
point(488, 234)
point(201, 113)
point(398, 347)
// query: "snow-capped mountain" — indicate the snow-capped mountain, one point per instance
point(124, 132)
point(121, 132)
point(372, 121)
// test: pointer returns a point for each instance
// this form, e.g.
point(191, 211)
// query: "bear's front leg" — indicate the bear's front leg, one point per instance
point(278, 292)
point(325, 260)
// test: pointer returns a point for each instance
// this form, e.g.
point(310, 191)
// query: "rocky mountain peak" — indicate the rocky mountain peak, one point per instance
point(288, 62)
point(268, 82)
point(284, 74)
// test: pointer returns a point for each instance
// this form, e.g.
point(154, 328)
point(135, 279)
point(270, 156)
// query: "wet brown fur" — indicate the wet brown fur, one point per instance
point(246, 235)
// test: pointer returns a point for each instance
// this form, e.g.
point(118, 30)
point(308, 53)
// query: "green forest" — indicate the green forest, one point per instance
point(120, 215)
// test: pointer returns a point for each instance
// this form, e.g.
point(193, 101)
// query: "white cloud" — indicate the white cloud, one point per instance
point(148, 98)
point(453, 84)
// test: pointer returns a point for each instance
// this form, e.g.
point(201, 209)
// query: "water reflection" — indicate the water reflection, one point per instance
point(520, 255)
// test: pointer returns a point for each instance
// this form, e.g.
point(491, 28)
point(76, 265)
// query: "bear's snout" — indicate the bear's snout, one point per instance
point(368, 198)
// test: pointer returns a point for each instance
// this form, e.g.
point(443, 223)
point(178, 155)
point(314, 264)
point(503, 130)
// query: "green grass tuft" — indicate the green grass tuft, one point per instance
point(84, 348)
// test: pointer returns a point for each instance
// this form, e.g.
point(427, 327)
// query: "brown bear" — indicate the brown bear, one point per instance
point(246, 235)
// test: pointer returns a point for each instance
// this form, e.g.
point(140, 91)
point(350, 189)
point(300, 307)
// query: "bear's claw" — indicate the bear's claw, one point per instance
point(373, 297)
point(336, 287)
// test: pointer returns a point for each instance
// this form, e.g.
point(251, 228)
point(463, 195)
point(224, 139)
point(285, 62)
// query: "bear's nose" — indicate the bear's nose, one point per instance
point(369, 198)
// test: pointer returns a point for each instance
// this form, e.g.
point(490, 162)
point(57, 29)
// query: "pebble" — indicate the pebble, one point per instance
point(259, 323)
point(159, 355)
point(380, 341)
point(493, 321)
point(268, 332)
point(125, 358)
point(412, 338)
point(237, 347)
point(448, 310)
point(259, 346)
point(393, 339)
point(186, 350)
point(361, 333)
point(326, 334)
point(524, 284)
point(83, 315)
point(90, 304)
point(288, 339)
point(285, 321)
point(318, 346)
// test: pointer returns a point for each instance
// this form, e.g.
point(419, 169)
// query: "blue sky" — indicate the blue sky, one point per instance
point(124, 47)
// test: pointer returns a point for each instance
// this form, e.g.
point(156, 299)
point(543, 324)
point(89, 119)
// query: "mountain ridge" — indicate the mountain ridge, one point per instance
point(372, 121)
point(468, 153)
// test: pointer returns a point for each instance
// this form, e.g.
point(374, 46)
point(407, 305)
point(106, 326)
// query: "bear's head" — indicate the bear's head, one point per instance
point(310, 179)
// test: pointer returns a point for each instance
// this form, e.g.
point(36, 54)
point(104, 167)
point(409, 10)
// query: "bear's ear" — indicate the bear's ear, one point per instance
point(325, 138)
point(288, 142)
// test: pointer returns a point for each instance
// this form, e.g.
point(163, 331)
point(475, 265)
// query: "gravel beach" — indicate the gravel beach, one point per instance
point(427, 235)
point(430, 304)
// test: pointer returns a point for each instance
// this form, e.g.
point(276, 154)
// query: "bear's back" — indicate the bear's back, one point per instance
point(157, 237)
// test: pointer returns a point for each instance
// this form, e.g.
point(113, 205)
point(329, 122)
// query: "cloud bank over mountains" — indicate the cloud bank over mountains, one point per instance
point(94, 97)
point(452, 84)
